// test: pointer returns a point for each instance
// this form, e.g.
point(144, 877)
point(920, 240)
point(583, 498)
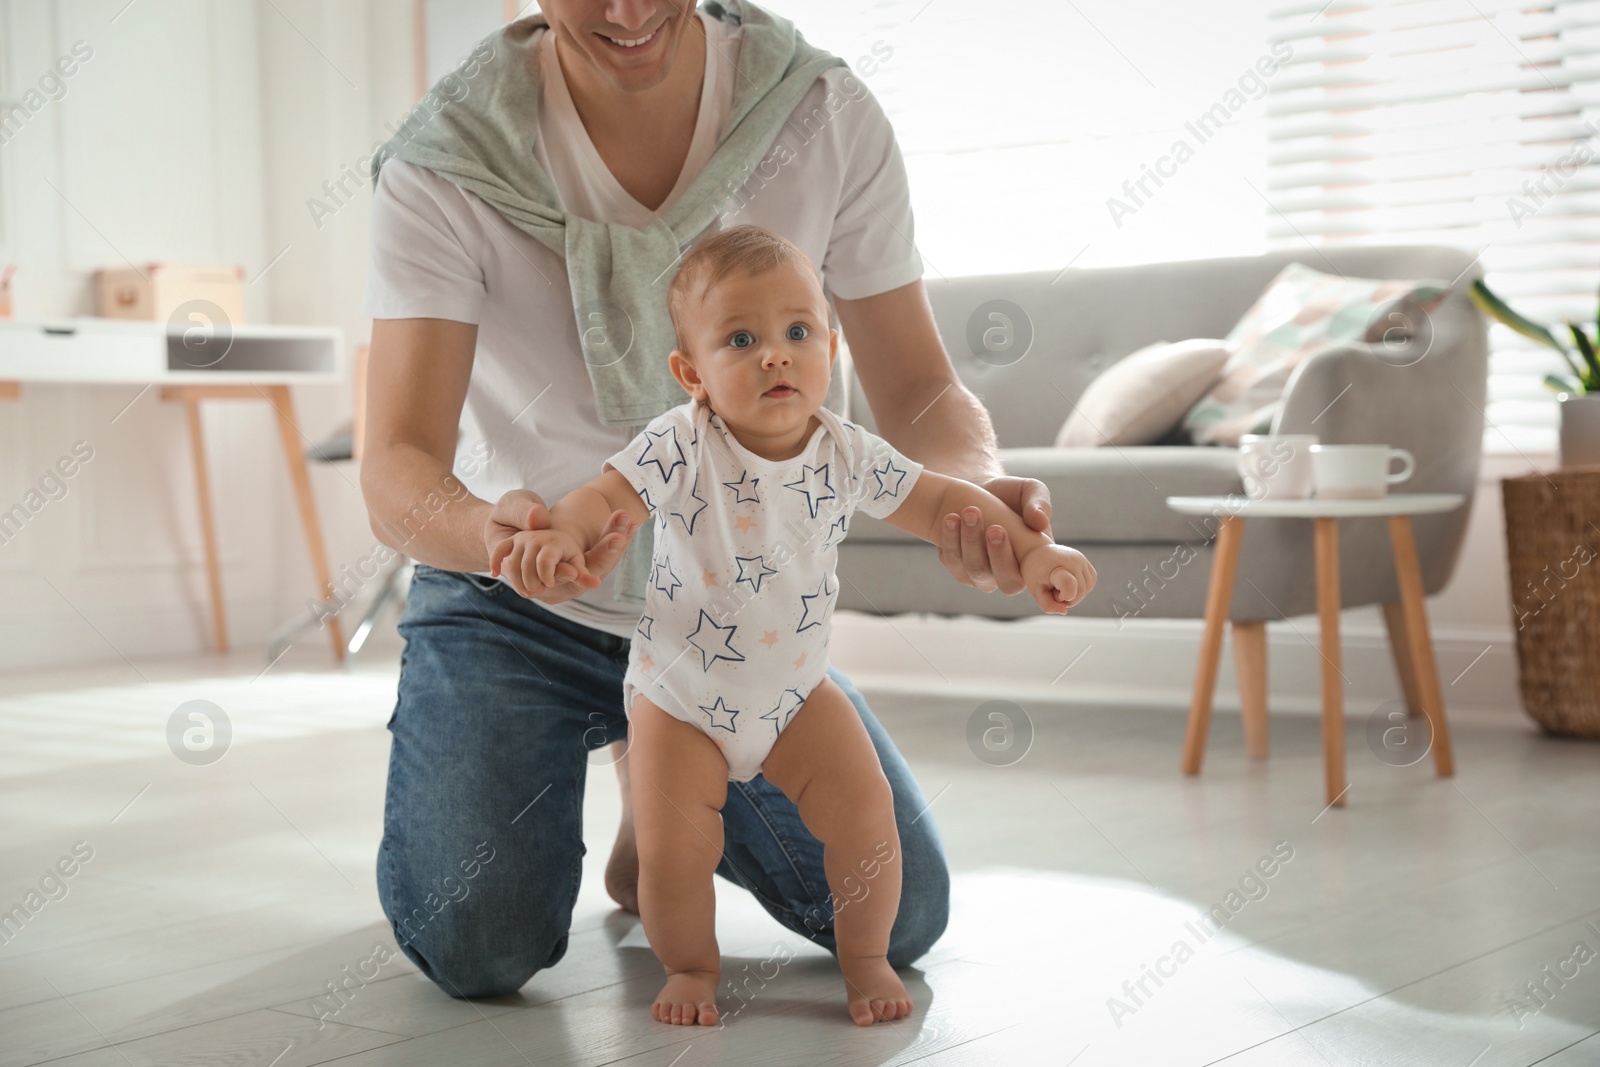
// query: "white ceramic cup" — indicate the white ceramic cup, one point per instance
point(1276, 467)
point(1358, 472)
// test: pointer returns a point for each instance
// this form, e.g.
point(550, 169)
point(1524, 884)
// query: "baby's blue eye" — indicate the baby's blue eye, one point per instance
point(742, 339)
point(798, 332)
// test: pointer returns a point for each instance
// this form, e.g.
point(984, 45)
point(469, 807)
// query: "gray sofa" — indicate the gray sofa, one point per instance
point(1426, 396)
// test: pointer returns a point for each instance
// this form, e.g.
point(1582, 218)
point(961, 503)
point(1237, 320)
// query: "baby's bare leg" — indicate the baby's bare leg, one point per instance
point(679, 781)
point(824, 762)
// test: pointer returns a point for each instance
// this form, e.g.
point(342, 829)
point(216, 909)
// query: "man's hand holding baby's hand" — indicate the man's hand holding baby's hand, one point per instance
point(523, 510)
point(535, 560)
point(1058, 577)
point(984, 556)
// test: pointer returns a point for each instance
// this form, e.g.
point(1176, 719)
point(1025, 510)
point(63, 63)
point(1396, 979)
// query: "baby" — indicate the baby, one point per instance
point(727, 674)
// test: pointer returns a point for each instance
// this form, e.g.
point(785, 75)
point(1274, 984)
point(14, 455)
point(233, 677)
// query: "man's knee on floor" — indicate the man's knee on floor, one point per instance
point(464, 969)
point(924, 913)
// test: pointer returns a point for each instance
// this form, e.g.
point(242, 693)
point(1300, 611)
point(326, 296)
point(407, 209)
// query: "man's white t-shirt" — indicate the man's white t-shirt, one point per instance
point(833, 183)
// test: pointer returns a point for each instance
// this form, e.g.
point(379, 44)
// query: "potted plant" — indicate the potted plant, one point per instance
point(1579, 394)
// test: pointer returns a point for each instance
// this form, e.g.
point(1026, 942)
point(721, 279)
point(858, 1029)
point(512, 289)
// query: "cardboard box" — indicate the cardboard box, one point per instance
point(162, 288)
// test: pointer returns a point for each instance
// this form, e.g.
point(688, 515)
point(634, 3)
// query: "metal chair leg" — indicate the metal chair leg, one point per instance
point(394, 582)
point(391, 589)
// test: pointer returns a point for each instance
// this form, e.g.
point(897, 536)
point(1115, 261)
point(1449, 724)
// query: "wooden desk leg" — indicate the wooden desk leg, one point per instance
point(1423, 668)
point(1250, 664)
point(1394, 621)
point(208, 522)
point(1224, 568)
point(1327, 540)
point(294, 454)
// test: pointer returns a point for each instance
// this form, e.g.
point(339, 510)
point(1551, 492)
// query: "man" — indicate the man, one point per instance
point(476, 364)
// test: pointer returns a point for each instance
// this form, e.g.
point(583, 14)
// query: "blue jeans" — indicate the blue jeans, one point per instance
point(501, 704)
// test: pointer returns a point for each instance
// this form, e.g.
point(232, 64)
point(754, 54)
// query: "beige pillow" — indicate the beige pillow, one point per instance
point(1140, 399)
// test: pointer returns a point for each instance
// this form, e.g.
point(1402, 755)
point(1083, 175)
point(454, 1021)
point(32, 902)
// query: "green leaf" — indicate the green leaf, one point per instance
point(1500, 311)
point(1557, 384)
point(1586, 347)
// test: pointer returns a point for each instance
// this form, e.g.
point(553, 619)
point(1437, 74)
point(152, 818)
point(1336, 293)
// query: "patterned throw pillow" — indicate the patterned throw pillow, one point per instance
point(1302, 312)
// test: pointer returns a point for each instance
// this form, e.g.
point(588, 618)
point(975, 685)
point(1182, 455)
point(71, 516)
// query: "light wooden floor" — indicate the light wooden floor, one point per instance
point(220, 899)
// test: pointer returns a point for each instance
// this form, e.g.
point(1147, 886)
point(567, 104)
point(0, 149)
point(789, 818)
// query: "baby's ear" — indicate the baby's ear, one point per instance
point(684, 371)
point(833, 346)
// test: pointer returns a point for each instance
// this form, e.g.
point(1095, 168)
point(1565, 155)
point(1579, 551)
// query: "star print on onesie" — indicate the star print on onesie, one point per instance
point(736, 648)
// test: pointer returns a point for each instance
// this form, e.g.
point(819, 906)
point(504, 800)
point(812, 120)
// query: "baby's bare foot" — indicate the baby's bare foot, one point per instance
point(689, 997)
point(875, 991)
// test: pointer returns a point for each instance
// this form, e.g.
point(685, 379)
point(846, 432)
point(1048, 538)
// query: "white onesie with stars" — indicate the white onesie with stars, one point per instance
point(739, 601)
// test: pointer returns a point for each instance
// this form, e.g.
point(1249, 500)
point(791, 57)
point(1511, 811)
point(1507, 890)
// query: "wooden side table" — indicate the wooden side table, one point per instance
point(1408, 626)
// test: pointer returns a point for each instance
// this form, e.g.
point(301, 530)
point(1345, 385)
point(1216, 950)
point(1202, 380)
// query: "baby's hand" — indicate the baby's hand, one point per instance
point(1058, 577)
point(532, 557)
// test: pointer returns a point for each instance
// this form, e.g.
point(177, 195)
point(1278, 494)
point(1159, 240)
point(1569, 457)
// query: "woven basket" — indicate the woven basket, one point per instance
point(1553, 542)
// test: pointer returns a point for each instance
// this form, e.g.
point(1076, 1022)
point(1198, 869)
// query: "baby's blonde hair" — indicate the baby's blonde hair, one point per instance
point(745, 248)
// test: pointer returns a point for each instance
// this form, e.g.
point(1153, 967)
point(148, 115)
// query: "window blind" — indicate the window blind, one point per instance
point(1472, 123)
point(1020, 119)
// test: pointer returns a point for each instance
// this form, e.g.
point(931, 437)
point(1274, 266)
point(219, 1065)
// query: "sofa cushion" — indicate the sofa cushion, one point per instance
point(1143, 397)
point(1109, 494)
point(1302, 312)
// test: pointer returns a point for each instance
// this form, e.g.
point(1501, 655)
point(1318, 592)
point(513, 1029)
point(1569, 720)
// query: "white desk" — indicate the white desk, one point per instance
point(1408, 627)
point(245, 363)
point(112, 351)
